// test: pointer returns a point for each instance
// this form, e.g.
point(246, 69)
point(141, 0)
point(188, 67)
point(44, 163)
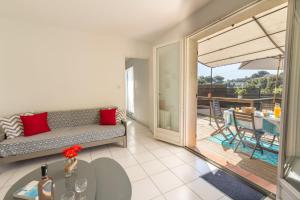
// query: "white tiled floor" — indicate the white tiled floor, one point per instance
point(157, 171)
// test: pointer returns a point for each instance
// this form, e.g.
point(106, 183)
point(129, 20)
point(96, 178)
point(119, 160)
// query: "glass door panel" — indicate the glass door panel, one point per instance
point(168, 93)
point(168, 66)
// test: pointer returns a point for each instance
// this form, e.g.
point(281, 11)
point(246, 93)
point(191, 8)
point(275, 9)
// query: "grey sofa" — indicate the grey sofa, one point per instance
point(67, 128)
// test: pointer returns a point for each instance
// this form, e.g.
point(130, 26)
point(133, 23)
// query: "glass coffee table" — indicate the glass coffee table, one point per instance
point(106, 180)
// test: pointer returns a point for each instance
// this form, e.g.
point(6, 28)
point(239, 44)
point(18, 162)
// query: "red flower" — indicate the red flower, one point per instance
point(77, 148)
point(72, 152)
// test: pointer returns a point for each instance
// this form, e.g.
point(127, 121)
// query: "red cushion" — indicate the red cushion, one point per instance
point(35, 124)
point(108, 117)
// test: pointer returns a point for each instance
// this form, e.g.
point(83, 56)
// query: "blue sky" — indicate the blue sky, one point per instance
point(228, 71)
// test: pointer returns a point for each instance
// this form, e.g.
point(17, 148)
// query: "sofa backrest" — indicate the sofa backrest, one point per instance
point(60, 119)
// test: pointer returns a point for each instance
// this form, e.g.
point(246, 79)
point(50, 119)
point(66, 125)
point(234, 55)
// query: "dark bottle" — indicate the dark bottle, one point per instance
point(45, 186)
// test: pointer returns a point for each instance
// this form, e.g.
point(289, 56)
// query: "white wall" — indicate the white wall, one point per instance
point(47, 68)
point(213, 11)
point(141, 88)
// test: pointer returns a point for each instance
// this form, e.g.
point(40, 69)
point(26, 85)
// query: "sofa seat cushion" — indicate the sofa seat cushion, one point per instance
point(58, 138)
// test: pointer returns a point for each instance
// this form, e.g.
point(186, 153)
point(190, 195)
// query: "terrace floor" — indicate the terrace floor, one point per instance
point(257, 171)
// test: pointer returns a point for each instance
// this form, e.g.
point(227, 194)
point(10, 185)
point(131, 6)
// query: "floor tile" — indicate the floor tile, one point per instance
point(175, 149)
point(131, 143)
point(152, 145)
point(187, 156)
point(122, 153)
point(144, 190)
point(144, 157)
point(166, 181)
point(149, 142)
point(202, 166)
point(153, 167)
point(137, 149)
point(228, 198)
point(171, 161)
point(186, 173)
point(135, 173)
point(205, 190)
point(159, 198)
point(181, 193)
point(99, 149)
point(126, 161)
point(161, 152)
point(100, 155)
point(115, 148)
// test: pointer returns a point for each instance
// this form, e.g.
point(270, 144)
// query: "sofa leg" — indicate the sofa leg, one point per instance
point(125, 142)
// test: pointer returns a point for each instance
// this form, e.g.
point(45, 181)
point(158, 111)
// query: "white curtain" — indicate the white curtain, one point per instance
point(130, 90)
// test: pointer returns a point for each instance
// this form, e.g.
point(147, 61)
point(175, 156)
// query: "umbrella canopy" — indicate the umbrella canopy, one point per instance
point(258, 37)
point(273, 63)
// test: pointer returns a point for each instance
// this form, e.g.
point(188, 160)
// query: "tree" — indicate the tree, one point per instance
point(218, 79)
point(204, 80)
point(262, 79)
point(201, 80)
point(260, 74)
point(207, 79)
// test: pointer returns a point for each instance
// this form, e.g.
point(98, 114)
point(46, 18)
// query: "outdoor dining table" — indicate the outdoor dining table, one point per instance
point(250, 102)
point(269, 124)
point(261, 121)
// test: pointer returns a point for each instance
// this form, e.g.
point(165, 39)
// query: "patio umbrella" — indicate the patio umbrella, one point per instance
point(271, 63)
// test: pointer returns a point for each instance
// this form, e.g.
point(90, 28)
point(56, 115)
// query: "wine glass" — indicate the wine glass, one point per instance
point(70, 195)
point(80, 186)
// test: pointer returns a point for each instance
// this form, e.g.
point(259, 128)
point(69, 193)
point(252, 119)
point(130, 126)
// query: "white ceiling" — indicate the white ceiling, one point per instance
point(138, 19)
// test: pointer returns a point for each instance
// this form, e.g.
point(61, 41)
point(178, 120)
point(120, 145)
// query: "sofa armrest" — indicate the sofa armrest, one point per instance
point(124, 122)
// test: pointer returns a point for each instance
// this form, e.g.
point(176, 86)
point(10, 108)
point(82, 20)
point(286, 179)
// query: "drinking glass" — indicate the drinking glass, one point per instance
point(70, 195)
point(80, 186)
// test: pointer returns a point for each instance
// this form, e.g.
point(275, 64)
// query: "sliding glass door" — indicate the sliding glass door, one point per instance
point(289, 181)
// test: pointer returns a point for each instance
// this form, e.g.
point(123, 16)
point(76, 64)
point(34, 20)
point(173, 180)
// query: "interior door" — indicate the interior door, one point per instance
point(168, 93)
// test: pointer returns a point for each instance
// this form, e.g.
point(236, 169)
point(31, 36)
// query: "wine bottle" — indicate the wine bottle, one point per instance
point(45, 185)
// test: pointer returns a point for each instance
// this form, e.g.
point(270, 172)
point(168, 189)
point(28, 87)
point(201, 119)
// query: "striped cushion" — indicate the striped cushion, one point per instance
point(12, 126)
point(120, 115)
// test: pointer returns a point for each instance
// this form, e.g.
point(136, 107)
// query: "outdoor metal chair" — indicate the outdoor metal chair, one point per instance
point(219, 120)
point(240, 120)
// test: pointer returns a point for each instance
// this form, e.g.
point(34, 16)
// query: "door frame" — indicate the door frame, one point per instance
point(191, 48)
point(287, 133)
point(169, 136)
